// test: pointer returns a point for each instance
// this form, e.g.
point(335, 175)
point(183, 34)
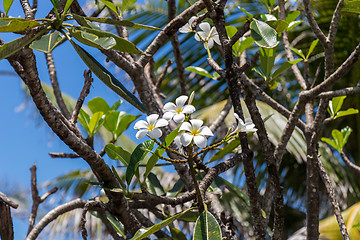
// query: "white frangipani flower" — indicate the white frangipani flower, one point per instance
point(177, 111)
point(188, 26)
point(208, 34)
point(195, 131)
point(247, 127)
point(151, 126)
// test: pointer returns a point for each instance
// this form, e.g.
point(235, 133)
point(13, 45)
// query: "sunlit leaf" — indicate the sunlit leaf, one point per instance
point(96, 121)
point(206, 227)
point(110, 5)
point(284, 67)
point(312, 47)
point(267, 58)
point(137, 155)
point(104, 75)
point(117, 152)
point(7, 4)
point(17, 24)
point(145, 232)
point(47, 42)
point(159, 152)
point(347, 112)
point(199, 71)
point(12, 47)
point(298, 52)
point(155, 184)
point(98, 104)
point(264, 35)
point(177, 234)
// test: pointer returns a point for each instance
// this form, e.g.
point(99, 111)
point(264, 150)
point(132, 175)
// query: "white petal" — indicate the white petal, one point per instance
point(169, 107)
point(152, 119)
point(200, 36)
point(205, 27)
point(180, 101)
point(196, 123)
point(197, 38)
point(205, 131)
point(185, 28)
point(216, 38)
point(161, 123)
point(186, 139)
point(141, 133)
point(178, 118)
point(185, 126)
point(156, 133)
point(191, 20)
point(141, 124)
point(168, 115)
point(188, 109)
point(200, 141)
point(210, 43)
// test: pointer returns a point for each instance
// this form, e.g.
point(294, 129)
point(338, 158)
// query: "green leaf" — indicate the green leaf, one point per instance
point(249, 15)
point(55, 3)
point(123, 186)
point(7, 4)
point(291, 16)
point(264, 35)
point(312, 47)
point(351, 7)
point(137, 155)
point(116, 105)
point(298, 52)
point(17, 24)
point(12, 47)
point(117, 152)
point(67, 6)
point(346, 131)
point(159, 152)
point(86, 23)
point(177, 234)
point(245, 44)
point(104, 75)
point(115, 223)
point(123, 23)
point(102, 39)
point(125, 4)
point(330, 142)
point(338, 138)
point(206, 227)
point(46, 43)
point(110, 5)
point(279, 25)
point(98, 104)
point(356, 225)
point(293, 24)
point(96, 121)
point(145, 232)
point(84, 120)
point(199, 71)
point(219, 181)
point(157, 188)
point(284, 67)
point(177, 188)
point(92, 40)
point(227, 149)
point(260, 72)
point(267, 59)
point(268, 17)
point(335, 105)
point(347, 112)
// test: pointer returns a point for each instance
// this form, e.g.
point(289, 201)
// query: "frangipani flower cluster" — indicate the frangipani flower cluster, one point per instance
point(208, 34)
point(193, 129)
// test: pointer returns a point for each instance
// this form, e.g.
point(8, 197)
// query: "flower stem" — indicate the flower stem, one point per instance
point(193, 175)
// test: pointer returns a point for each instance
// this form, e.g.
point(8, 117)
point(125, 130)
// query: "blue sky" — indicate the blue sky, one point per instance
point(25, 137)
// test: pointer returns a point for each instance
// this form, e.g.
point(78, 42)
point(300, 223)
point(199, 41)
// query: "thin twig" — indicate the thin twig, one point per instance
point(63, 155)
point(331, 192)
point(351, 165)
point(84, 92)
point(8, 201)
point(55, 85)
point(220, 119)
point(37, 200)
point(163, 74)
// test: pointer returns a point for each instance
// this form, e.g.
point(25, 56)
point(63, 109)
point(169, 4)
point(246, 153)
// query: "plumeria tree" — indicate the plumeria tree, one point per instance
point(249, 58)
